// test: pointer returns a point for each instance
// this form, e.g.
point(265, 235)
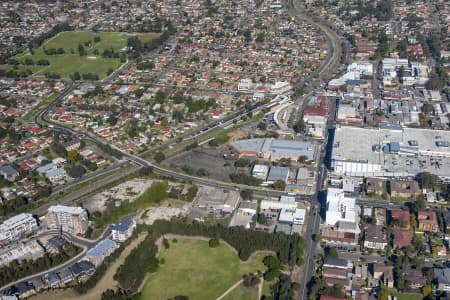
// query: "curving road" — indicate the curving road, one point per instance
point(85, 244)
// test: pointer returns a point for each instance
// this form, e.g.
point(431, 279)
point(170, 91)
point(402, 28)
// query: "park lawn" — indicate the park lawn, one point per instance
point(20, 68)
point(243, 293)
point(70, 62)
point(266, 290)
point(195, 270)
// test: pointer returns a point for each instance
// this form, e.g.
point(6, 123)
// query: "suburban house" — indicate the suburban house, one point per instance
point(9, 173)
point(427, 221)
point(71, 145)
point(447, 221)
point(375, 237)
point(402, 238)
point(404, 189)
point(375, 186)
point(384, 274)
point(414, 278)
point(335, 272)
point(401, 218)
point(442, 279)
point(56, 175)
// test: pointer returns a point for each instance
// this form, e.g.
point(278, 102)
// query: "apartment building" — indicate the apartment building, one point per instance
point(123, 230)
point(17, 227)
point(73, 220)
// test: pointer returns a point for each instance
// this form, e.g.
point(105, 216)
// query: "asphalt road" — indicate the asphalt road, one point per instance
point(327, 69)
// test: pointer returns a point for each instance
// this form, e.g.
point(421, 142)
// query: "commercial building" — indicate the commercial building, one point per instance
point(278, 173)
point(292, 216)
point(339, 207)
point(260, 171)
point(285, 202)
point(17, 227)
point(273, 149)
point(123, 229)
point(103, 249)
point(390, 151)
point(73, 220)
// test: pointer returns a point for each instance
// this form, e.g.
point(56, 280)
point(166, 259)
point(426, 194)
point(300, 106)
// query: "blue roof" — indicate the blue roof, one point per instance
point(101, 248)
point(76, 269)
point(123, 225)
point(52, 278)
point(86, 265)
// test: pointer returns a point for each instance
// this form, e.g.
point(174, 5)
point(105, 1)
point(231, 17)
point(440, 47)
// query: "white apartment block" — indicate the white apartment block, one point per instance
point(69, 219)
point(17, 227)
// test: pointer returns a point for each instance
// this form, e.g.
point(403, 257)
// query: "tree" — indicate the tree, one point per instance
point(76, 171)
point(250, 280)
point(262, 126)
point(153, 264)
point(247, 194)
point(428, 180)
point(112, 120)
point(300, 126)
point(427, 108)
point(384, 293)
point(73, 156)
point(166, 243)
point(302, 159)
point(213, 243)
point(261, 219)
point(159, 156)
point(279, 185)
point(426, 290)
point(242, 162)
point(331, 252)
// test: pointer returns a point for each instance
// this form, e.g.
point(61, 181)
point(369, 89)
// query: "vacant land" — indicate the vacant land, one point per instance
point(194, 269)
point(210, 159)
point(107, 281)
point(66, 64)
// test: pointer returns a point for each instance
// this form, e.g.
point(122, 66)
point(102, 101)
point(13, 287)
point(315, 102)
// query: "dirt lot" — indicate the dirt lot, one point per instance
point(211, 159)
point(129, 190)
point(164, 212)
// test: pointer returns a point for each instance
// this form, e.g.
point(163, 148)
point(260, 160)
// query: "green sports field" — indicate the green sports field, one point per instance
point(195, 270)
point(70, 62)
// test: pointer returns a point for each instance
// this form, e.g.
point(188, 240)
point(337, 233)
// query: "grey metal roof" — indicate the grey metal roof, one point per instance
point(277, 173)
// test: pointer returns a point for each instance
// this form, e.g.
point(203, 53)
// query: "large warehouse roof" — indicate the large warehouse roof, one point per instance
point(388, 149)
point(276, 148)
